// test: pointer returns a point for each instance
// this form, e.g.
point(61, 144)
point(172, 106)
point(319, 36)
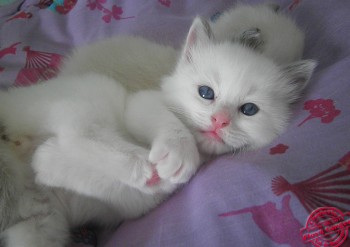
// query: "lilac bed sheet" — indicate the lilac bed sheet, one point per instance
point(260, 198)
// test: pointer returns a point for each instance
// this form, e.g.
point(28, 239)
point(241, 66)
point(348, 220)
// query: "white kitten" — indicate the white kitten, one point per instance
point(274, 34)
point(229, 96)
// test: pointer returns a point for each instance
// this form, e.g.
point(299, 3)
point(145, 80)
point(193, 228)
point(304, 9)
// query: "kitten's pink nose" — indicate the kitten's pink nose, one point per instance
point(220, 120)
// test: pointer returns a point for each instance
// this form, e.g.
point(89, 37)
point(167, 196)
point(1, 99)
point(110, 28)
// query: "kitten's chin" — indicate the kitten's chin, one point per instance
point(211, 145)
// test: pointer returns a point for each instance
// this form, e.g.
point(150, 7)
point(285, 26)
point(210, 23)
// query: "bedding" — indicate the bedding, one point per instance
point(257, 198)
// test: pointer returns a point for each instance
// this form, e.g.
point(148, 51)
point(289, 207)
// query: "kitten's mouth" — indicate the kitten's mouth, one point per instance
point(213, 135)
point(210, 142)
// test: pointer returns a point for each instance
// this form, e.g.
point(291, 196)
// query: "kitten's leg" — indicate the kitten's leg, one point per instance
point(38, 231)
point(174, 149)
point(92, 167)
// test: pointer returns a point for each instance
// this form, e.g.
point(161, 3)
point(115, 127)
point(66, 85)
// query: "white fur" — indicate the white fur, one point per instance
point(135, 62)
point(89, 126)
point(283, 41)
point(27, 215)
point(86, 149)
point(237, 75)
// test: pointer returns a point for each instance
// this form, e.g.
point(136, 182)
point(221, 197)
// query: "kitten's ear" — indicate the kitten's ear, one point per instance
point(298, 75)
point(252, 38)
point(200, 34)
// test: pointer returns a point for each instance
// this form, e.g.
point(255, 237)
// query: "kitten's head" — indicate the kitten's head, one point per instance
point(231, 97)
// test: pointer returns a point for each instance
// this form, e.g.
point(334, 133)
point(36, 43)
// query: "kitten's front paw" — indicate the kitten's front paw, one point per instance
point(143, 173)
point(176, 156)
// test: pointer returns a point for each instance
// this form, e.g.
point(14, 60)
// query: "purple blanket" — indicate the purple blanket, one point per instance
point(261, 198)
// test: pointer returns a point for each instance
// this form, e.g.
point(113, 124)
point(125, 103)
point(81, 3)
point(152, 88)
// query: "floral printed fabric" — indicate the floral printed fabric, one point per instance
point(260, 198)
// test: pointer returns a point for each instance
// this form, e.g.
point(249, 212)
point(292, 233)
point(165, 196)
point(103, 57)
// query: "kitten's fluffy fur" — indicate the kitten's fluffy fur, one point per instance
point(281, 40)
point(80, 120)
point(88, 123)
point(137, 63)
point(27, 215)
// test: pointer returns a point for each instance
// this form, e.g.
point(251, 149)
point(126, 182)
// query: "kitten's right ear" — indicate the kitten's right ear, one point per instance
point(200, 34)
point(298, 75)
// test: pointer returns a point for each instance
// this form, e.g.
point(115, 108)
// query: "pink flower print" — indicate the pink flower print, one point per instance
point(2, 69)
point(67, 6)
point(116, 12)
point(293, 5)
point(9, 50)
point(279, 149)
point(321, 108)
point(329, 188)
point(21, 15)
point(96, 4)
point(166, 3)
point(39, 66)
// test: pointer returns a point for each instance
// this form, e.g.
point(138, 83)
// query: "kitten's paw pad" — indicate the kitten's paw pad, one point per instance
point(176, 158)
point(154, 180)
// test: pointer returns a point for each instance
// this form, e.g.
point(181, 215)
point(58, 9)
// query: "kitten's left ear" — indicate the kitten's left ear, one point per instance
point(298, 75)
point(252, 38)
point(200, 34)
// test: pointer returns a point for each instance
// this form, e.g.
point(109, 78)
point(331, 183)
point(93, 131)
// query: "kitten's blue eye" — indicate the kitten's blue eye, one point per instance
point(249, 109)
point(206, 92)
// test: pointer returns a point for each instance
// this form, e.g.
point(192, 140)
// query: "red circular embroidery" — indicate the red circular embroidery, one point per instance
point(326, 226)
